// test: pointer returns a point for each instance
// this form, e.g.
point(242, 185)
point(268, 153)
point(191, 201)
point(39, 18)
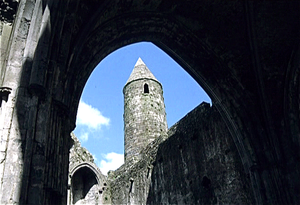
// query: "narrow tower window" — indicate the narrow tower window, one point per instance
point(146, 88)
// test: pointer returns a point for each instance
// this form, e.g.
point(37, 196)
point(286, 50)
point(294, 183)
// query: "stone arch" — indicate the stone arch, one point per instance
point(237, 51)
point(90, 166)
point(192, 53)
point(85, 179)
point(148, 27)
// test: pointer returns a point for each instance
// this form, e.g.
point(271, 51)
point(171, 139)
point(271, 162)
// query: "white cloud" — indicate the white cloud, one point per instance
point(112, 162)
point(84, 137)
point(90, 117)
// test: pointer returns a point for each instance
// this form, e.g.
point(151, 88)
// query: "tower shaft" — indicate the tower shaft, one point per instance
point(144, 111)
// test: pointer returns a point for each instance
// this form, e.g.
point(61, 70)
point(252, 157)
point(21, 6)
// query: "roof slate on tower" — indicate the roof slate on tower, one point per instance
point(140, 71)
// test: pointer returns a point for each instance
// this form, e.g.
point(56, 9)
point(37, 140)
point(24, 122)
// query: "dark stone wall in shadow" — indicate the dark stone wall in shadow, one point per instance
point(245, 54)
point(199, 164)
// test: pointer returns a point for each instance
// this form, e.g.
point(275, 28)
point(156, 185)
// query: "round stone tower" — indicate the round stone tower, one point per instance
point(144, 111)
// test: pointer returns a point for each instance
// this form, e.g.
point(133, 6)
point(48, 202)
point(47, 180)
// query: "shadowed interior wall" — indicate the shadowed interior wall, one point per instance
point(197, 163)
point(244, 54)
point(84, 187)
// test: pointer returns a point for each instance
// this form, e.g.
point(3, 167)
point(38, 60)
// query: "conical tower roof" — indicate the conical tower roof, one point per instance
point(140, 71)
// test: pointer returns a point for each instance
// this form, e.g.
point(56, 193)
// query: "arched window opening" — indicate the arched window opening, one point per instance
point(84, 186)
point(146, 88)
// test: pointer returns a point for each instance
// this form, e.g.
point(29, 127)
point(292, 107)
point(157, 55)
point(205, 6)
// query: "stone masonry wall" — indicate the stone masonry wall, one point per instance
point(78, 154)
point(192, 165)
point(8, 9)
point(130, 183)
point(199, 164)
point(86, 182)
point(245, 54)
point(144, 116)
point(34, 128)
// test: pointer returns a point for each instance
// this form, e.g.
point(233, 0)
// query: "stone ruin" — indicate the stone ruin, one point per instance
point(244, 54)
point(159, 163)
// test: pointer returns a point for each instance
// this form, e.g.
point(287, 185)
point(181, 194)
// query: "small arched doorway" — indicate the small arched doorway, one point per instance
point(85, 183)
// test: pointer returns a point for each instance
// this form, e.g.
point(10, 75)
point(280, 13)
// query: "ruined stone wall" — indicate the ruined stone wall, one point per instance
point(34, 127)
point(245, 54)
point(197, 163)
point(78, 154)
point(130, 183)
point(144, 116)
point(8, 9)
point(86, 182)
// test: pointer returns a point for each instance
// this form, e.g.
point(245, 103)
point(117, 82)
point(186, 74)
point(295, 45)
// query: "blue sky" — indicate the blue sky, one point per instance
point(99, 124)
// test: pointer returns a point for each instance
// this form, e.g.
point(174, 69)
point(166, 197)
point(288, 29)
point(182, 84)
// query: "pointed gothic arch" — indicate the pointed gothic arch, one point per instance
point(84, 178)
point(239, 52)
point(148, 28)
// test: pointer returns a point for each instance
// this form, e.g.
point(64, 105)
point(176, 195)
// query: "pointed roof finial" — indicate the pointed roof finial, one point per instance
point(139, 62)
point(140, 71)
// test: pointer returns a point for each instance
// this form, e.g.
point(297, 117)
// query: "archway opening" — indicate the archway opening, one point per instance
point(104, 137)
point(84, 186)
